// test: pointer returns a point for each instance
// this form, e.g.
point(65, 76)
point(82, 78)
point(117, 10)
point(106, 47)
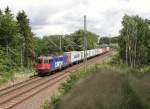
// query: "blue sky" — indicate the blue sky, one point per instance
point(104, 17)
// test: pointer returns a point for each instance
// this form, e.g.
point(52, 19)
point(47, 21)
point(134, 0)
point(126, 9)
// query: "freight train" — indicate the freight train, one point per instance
point(50, 64)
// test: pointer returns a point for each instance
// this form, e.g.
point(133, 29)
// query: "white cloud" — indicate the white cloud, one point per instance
point(65, 16)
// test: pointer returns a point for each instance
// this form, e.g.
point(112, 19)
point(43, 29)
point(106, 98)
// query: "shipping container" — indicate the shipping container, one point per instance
point(74, 56)
point(107, 48)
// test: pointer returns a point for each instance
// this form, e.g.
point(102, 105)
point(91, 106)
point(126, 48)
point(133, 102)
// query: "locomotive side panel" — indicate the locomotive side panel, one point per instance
point(58, 62)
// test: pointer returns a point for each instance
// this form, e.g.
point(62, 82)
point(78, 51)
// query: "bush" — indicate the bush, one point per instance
point(53, 103)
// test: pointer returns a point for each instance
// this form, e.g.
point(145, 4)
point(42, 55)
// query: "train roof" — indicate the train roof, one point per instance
point(45, 57)
point(49, 57)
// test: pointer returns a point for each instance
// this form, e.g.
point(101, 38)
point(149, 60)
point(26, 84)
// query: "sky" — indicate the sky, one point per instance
point(49, 17)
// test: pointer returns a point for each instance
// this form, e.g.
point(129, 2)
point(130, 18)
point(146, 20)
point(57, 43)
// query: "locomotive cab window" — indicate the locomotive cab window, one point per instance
point(46, 61)
point(40, 61)
point(50, 61)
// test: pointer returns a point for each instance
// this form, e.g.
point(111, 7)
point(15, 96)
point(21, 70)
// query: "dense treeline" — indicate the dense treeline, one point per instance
point(134, 41)
point(108, 40)
point(16, 41)
point(56, 44)
point(26, 40)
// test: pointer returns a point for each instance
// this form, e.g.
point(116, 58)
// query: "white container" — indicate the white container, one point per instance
point(100, 50)
point(88, 53)
point(74, 56)
point(107, 48)
point(82, 55)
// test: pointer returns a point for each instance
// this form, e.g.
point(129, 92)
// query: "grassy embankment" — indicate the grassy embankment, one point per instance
point(107, 86)
point(15, 75)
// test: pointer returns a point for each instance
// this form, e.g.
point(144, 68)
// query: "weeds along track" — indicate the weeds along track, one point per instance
point(12, 96)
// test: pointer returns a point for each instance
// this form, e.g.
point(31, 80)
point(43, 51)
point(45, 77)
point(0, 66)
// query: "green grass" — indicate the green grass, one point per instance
point(5, 76)
point(16, 73)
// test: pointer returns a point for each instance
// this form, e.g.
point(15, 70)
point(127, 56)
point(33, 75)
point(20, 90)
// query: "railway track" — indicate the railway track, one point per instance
point(12, 96)
point(18, 85)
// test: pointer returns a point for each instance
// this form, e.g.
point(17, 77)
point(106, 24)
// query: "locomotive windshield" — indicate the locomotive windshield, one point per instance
point(46, 61)
point(40, 61)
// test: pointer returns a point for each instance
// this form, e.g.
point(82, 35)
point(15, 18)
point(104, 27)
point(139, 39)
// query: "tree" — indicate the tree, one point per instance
point(104, 40)
point(8, 11)
point(8, 28)
point(1, 13)
point(78, 38)
point(27, 38)
point(4, 63)
point(50, 45)
point(134, 41)
point(8, 33)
